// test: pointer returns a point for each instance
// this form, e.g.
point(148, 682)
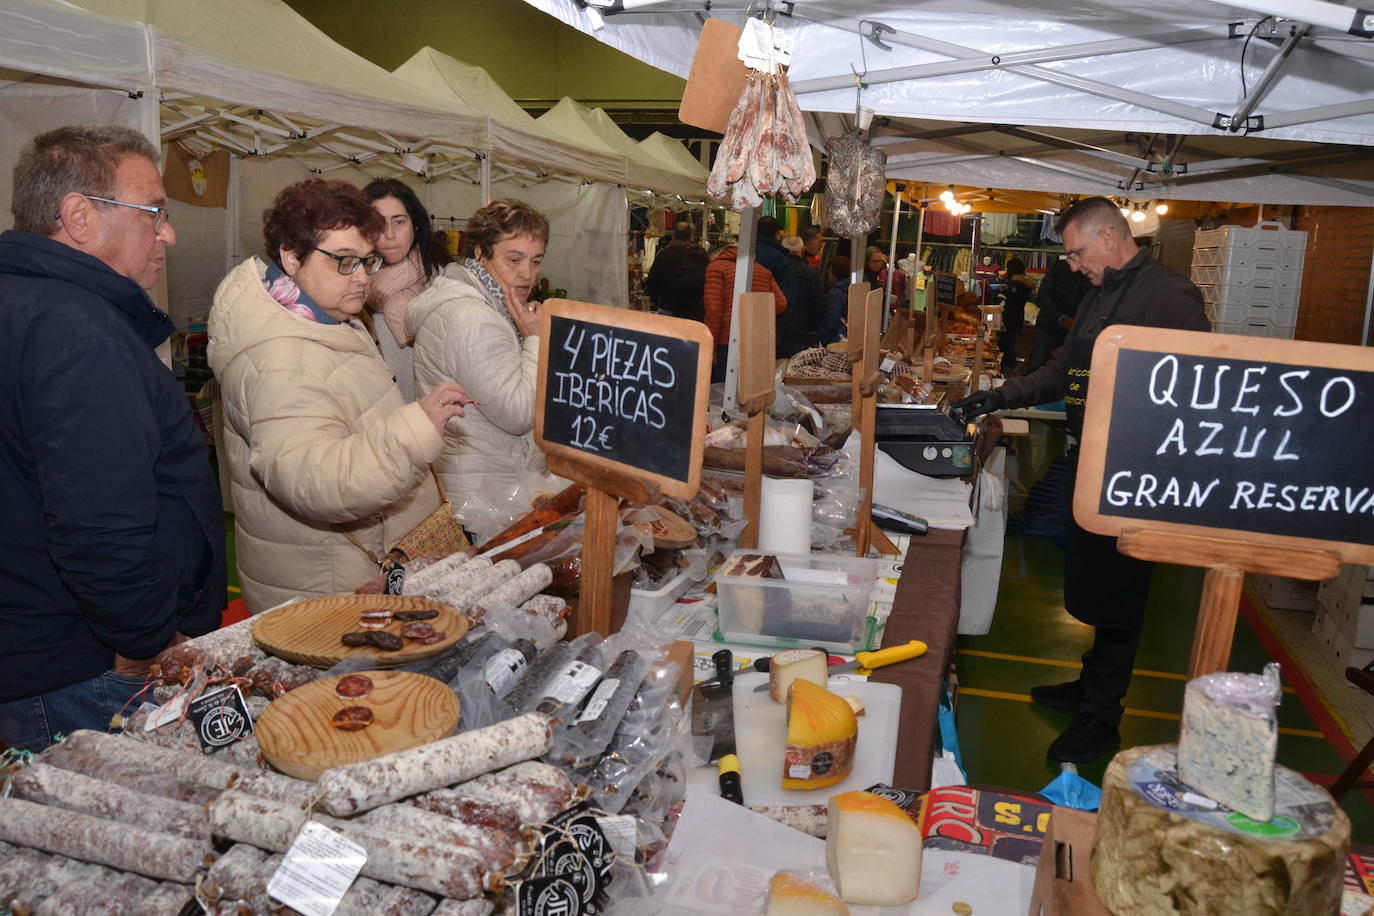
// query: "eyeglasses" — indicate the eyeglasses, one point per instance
point(349, 263)
point(1076, 254)
point(161, 217)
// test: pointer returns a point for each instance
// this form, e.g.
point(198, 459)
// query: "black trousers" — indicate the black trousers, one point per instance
point(1108, 590)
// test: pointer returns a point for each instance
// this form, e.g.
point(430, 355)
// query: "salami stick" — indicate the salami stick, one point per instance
point(362, 899)
point(403, 901)
point(49, 785)
point(462, 597)
point(456, 579)
point(592, 731)
point(478, 812)
point(91, 839)
point(520, 589)
point(139, 777)
point(118, 895)
point(358, 787)
point(268, 824)
point(535, 790)
point(811, 819)
point(30, 876)
point(420, 580)
point(528, 690)
point(167, 899)
point(233, 874)
point(496, 848)
point(446, 667)
point(478, 907)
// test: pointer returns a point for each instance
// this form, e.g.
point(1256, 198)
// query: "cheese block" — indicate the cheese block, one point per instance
point(785, 667)
point(1227, 740)
point(872, 850)
point(821, 734)
point(1160, 849)
point(791, 895)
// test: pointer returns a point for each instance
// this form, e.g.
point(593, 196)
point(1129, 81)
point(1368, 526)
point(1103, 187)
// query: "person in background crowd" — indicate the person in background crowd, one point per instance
point(677, 275)
point(1102, 587)
point(719, 299)
point(769, 252)
point(319, 439)
point(813, 240)
point(798, 327)
point(1057, 299)
point(836, 301)
point(477, 326)
point(876, 271)
point(412, 253)
point(113, 541)
point(1016, 290)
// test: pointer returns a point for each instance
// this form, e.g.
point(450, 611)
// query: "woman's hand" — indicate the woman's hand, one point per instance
point(446, 401)
point(528, 316)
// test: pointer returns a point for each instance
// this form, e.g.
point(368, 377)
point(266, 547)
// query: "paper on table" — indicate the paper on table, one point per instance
point(942, 501)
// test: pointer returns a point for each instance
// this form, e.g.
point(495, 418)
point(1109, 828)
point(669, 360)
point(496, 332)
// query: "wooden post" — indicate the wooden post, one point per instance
point(756, 393)
point(598, 564)
point(865, 318)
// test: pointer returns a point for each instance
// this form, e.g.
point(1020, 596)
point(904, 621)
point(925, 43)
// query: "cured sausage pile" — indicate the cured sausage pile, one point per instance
point(855, 185)
point(765, 151)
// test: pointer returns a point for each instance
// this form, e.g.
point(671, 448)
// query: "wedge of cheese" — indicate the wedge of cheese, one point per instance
point(872, 850)
point(821, 733)
point(790, 895)
point(786, 667)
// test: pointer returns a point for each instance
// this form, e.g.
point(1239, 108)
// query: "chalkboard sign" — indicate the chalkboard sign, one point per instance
point(1236, 437)
point(625, 391)
point(946, 289)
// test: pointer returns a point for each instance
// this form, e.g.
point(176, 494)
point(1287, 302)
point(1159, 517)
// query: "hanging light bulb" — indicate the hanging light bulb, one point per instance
point(1161, 208)
point(1125, 213)
point(947, 195)
point(1137, 216)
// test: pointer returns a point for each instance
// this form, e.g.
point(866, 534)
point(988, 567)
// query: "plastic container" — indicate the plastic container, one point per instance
point(1265, 274)
point(823, 602)
point(653, 603)
point(1253, 326)
point(1252, 295)
point(1270, 233)
point(1269, 253)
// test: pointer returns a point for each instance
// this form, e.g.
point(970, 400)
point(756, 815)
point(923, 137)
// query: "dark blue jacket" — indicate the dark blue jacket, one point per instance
point(770, 253)
point(113, 532)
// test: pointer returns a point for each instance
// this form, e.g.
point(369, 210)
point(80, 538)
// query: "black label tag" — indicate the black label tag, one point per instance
point(586, 832)
point(220, 718)
point(905, 798)
point(395, 577)
point(552, 896)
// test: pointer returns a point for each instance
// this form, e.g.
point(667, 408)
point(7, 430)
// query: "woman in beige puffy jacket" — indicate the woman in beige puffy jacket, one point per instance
point(476, 326)
point(318, 437)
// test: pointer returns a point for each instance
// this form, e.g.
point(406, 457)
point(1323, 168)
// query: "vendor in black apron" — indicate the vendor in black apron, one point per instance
point(1102, 587)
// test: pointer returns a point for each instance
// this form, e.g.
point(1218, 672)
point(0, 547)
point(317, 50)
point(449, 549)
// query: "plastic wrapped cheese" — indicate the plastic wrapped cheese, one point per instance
point(1228, 738)
point(790, 894)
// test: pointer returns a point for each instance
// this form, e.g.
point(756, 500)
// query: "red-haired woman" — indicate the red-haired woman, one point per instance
point(318, 437)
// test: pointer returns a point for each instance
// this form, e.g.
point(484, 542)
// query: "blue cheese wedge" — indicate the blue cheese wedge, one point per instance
point(1228, 738)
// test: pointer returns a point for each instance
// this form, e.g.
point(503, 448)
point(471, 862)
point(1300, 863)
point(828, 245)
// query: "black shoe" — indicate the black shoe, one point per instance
point(1086, 739)
point(1059, 696)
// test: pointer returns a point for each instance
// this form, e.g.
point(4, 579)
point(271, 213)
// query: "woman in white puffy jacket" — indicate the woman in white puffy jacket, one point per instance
point(318, 437)
point(476, 326)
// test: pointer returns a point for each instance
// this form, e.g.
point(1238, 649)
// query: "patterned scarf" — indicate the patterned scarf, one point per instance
point(496, 296)
point(391, 290)
point(291, 297)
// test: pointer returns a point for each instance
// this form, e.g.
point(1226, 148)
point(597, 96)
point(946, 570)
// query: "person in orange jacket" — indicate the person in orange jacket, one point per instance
point(718, 298)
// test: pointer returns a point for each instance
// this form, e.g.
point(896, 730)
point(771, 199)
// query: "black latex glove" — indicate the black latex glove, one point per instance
point(980, 403)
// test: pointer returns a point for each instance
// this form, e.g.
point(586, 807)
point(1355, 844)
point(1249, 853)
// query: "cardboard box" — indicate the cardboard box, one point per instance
point(1289, 594)
point(1063, 880)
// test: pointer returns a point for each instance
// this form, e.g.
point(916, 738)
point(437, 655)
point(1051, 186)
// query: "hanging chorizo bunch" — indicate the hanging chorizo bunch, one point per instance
point(765, 151)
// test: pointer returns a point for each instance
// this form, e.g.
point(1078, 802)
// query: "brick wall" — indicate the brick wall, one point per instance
point(1335, 272)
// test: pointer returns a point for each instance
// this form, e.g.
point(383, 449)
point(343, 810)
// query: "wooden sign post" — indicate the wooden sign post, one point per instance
point(865, 321)
point(941, 295)
point(756, 392)
point(1237, 454)
point(620, 407)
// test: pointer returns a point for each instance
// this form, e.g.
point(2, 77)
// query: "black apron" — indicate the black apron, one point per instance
point(1102, 587)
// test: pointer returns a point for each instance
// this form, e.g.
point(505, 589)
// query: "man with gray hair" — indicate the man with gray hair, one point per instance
point(1102, 587)
point(113, 546)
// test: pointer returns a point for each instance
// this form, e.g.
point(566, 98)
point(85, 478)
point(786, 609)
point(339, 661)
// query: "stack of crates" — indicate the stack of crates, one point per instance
point(1250, 277)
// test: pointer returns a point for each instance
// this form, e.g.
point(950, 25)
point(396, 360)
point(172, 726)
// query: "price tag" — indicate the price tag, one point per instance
point(502, 669)
point(572, 683)
point(317, 871)
point(599, 700)
point(620, 831)
point(171, 711)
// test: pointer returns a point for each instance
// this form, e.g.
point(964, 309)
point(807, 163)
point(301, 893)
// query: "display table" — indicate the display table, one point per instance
point(926, 608)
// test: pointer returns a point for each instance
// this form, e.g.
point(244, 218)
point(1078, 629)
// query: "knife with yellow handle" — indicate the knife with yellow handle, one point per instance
point(865, 662)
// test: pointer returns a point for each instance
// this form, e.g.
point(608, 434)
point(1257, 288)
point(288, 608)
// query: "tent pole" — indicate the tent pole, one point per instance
point(744, 282)
point(892, 252)
point(920, 261)
point(484, 176)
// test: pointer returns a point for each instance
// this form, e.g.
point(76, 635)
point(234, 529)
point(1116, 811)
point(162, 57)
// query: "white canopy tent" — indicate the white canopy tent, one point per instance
point(1139, 97)
point(648, 171)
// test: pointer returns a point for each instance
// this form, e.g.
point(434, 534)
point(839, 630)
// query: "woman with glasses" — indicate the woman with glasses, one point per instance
point(476, 325)
point(322, 447)
point(412, 256)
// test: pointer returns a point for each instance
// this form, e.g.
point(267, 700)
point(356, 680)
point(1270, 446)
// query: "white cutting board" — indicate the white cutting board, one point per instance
point(761, 736)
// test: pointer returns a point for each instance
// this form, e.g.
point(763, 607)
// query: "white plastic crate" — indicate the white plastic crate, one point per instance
point(1247, 275)
point(1253, 326)
point(1250, 295)
point(1249, 236)
point(1262, 253)
point(1282, 317)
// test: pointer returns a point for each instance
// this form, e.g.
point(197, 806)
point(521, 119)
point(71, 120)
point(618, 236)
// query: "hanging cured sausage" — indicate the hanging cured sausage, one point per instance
point(764, 151)
point(855, 185)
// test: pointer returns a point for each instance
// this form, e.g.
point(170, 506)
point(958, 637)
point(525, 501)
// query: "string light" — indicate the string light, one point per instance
point(947, 195)
point(1161, 208)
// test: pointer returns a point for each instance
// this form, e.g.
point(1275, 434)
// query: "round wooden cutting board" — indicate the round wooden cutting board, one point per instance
point(308, 632)
point(408, 710)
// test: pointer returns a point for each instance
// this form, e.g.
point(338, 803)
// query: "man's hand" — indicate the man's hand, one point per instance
point(980, 403)
point(135, 668)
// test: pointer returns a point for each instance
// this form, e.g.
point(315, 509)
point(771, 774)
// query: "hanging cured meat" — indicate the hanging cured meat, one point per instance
point(854, 186)
point(764, 151)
